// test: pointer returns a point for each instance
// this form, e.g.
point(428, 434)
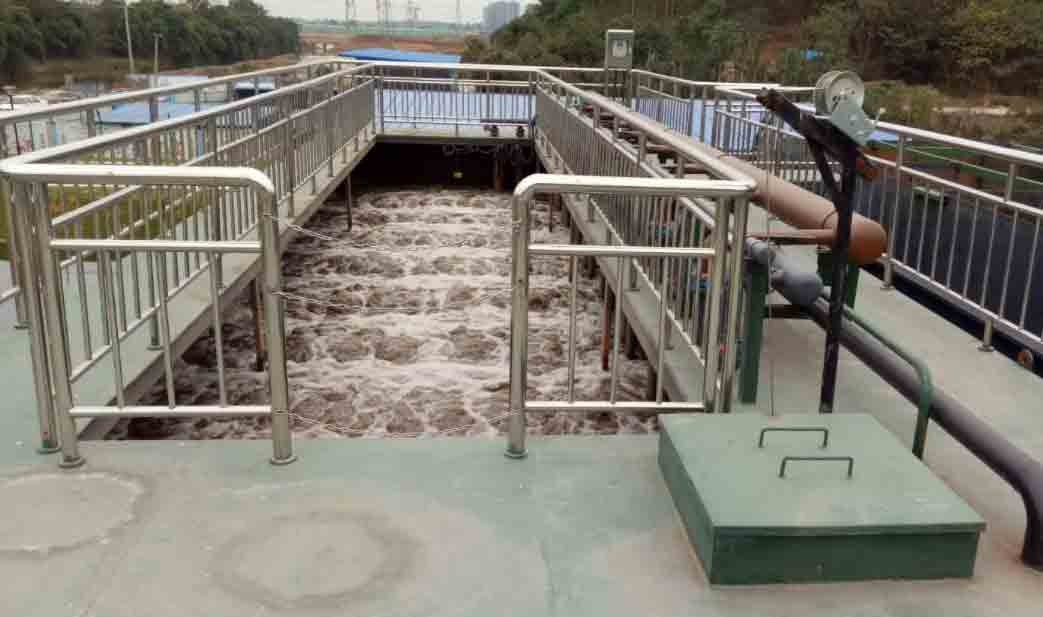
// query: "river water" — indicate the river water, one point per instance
point(412, 334)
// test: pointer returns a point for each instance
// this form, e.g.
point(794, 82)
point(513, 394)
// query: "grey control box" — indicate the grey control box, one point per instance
point(619, 49)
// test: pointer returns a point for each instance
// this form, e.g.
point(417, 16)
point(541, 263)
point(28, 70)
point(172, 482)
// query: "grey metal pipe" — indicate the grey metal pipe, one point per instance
point(20, 214)
point(57, 339)
point(798, 286)
point(282, 438)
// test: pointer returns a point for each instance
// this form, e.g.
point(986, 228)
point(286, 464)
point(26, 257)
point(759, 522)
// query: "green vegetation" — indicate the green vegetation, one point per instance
point(193, 32)
point(987, 45)
point(943, 53)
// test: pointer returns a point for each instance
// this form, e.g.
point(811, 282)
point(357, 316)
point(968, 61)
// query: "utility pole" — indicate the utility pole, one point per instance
point(155, 53)
point(126, 22)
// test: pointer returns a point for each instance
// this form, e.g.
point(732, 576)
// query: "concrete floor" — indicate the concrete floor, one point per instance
point(428, 527)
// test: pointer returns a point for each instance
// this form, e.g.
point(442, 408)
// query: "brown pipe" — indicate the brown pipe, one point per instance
point(805, 210)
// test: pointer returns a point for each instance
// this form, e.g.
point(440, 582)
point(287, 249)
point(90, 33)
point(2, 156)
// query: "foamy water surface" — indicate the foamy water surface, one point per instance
point(412, 334)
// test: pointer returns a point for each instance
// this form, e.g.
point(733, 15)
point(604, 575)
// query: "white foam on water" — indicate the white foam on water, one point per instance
point(417, 340)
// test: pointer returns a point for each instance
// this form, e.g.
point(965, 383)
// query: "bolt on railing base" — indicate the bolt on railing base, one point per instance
point(21, 326)
point(279, 462)
point(515, 454)
point(71, 463)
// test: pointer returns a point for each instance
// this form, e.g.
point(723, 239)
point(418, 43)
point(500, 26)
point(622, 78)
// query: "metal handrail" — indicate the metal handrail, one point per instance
point(983, 282)
point(50, 352)
point(1010, 155)
point(137, 133)
point(655, 131)
point(722, 314)
point(109, 100)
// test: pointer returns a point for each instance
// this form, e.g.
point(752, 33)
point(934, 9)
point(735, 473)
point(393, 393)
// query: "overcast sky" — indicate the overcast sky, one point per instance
point(441, 10)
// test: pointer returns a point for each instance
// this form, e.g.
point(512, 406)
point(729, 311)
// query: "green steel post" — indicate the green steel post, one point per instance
point(825, 270)
point(923, 415)
point(852, 284)
point(756, 295)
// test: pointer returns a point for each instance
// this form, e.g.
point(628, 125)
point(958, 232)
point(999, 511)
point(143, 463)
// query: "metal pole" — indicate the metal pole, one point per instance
point(282, 439)
point(519, 326)
point(889, 268)
point(57, 340)
point(126, 22)
point(155, 56)
point(837, 293)
point(736, 262)
point(37, 341)
point(713, 332)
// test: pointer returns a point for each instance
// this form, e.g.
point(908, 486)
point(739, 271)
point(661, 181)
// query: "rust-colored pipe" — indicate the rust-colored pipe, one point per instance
point(805, 210)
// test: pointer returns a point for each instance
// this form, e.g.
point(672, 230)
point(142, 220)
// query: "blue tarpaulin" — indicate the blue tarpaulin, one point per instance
point(380, 54)
point(135, 114)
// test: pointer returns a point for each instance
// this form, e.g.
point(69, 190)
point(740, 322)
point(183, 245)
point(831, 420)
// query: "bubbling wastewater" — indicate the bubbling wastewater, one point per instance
point(407, 330)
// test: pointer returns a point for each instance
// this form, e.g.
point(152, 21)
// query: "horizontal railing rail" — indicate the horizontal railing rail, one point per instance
point(80, 117)
point(121, 312)
point(292, 134)
point(962, 217)
point(720, 316)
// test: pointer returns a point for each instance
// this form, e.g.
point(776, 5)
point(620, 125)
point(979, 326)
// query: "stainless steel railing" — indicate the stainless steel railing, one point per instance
point(145, 265)
point(291, 134)
point(963, 217)
point(52, 125)
point(683, 105)
point(670, 282)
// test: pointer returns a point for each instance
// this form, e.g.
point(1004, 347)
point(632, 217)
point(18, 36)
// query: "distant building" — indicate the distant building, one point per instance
point(495, 15)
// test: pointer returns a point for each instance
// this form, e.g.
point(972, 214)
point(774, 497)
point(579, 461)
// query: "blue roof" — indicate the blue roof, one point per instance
point(381, 54)
point(134, 114)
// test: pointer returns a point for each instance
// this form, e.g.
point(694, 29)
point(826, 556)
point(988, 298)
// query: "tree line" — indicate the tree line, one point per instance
point(192, 33)
point(986, 45)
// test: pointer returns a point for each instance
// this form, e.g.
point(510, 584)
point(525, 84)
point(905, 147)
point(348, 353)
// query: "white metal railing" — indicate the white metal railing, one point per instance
point(962, 217)
point(720, 317)
point(121, 314)
point(683, 105)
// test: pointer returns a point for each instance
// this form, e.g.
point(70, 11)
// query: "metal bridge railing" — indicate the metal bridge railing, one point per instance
point(569, 136)
point(962, 217)
point(683, 105)
point(136, 280)
point(292, 135)
point(670, 282)
point(53, 125)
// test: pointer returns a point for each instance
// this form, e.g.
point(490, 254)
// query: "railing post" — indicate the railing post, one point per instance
point(290, 152)
point(519, 327)
point(889, 268)
point(20, 210)
point(380, 107)
point(14, 253)
point(740, 208)
point(282, 438)
point(713, 331)
point(57, 338)
point(702, 116)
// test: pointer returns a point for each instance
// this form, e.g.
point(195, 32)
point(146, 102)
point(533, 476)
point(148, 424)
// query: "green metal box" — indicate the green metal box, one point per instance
point(770, 500)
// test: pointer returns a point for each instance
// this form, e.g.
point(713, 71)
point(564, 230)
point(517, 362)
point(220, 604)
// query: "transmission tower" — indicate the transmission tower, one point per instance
point(412, 13)
point(459, 18)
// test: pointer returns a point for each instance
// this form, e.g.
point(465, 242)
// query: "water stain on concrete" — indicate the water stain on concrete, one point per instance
point(318, 560)
point(45, 513)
